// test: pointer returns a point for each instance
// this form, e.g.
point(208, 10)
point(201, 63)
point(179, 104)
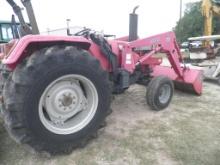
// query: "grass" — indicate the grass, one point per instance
point(185, 133)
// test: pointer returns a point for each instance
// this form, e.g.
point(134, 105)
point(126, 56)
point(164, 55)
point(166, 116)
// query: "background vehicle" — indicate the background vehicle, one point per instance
point(57, 89)
point(206, 50)
point(209, 9)
point(195, 44)
point(185, 45)
point(6, 31)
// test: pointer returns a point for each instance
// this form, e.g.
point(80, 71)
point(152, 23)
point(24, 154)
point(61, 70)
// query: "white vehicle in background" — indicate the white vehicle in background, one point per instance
point(198, 51)
point(207, 58)
point(185, 45)
point(195, 44)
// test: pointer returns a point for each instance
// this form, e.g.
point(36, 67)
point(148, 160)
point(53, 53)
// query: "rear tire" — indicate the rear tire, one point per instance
point(159, 92)
point(48, 125)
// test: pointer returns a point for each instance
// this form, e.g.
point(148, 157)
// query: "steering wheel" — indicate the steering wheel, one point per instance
point(84, 32)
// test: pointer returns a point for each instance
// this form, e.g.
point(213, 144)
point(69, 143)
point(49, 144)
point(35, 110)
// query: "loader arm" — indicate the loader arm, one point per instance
point(207, 13)
point(185, 78)
point(209, 9)
point(30, 12)
point(17, 11)
point(25, 29)
point(165, 43)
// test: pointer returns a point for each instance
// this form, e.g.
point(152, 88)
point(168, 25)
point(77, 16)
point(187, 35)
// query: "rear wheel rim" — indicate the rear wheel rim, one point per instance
point(164, 93)
point(68, 104)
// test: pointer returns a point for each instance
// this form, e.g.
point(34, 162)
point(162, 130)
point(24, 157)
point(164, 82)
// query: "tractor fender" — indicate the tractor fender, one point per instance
point(31, 42)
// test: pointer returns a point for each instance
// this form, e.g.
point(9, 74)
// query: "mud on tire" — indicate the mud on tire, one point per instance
point(24, 89)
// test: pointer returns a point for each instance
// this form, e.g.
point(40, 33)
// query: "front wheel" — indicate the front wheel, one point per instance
point(159, 92)
point(56, 99)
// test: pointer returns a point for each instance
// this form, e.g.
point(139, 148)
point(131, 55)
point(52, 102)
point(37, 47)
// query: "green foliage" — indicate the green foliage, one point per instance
point(192, 23)
point(216, 25)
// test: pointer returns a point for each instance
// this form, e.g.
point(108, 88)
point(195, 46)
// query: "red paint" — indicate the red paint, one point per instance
point(23, 43)
point(190, 77)
point(127, 57)
point(95, 51)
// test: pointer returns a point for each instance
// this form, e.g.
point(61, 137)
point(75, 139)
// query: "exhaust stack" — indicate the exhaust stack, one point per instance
point(133, 25)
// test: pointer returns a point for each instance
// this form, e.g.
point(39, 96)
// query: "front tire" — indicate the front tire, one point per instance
point(159, 93)
point(56, 100)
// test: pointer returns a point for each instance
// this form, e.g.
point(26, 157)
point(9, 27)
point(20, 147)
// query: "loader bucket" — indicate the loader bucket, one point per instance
point(191, 82)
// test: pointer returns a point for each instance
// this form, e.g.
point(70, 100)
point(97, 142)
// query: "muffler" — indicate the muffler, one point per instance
point(133, 25)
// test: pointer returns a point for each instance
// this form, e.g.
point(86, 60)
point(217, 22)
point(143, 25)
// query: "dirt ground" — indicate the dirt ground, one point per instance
point(187, 132)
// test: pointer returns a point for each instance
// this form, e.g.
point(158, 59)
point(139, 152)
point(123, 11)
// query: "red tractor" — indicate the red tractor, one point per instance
point(57, 90)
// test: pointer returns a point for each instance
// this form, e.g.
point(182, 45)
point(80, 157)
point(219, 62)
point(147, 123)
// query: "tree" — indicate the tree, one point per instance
point(192, 23)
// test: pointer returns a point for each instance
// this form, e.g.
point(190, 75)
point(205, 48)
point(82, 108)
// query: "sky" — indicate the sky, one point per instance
point(110, 16)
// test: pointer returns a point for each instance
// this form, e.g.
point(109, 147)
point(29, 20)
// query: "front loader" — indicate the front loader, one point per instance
point(57, 89)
